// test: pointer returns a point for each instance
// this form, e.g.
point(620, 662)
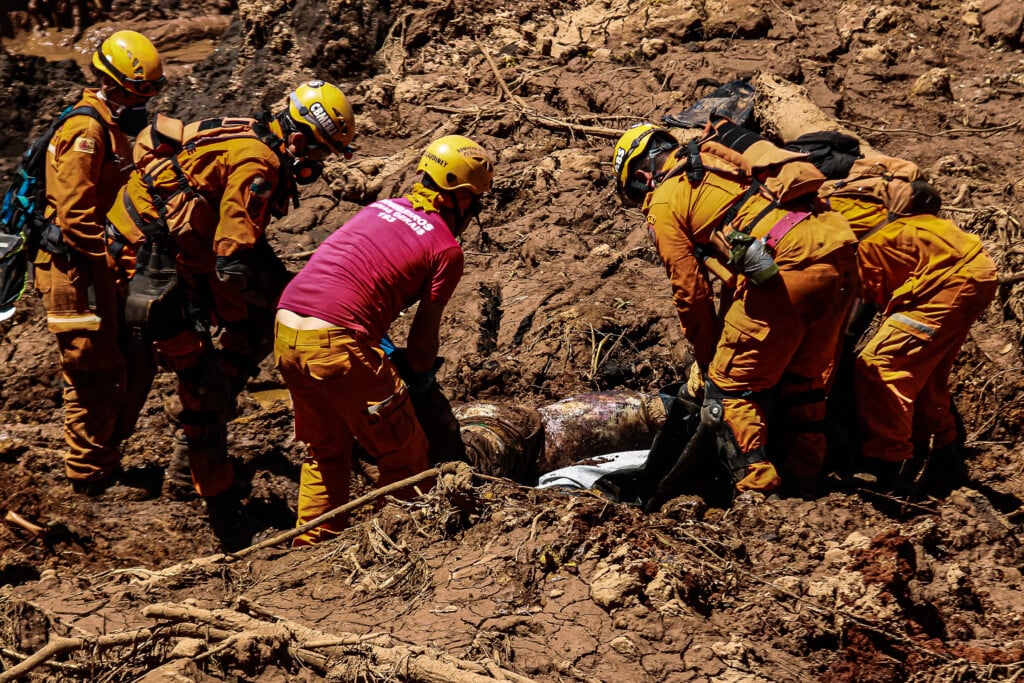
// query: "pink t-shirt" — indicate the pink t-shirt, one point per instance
point(384, 259)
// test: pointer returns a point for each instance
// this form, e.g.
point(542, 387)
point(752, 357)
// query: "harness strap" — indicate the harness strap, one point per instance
point(714, 392)
point(783, 226)
point(695, 167)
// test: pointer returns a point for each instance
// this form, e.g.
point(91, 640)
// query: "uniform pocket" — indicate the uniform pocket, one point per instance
point(326, 364)
point(389, 425)
point(898, 336)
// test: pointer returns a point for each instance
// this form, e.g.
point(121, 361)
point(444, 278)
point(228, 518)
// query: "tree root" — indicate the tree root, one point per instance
point(351, 655)
point(59, 646)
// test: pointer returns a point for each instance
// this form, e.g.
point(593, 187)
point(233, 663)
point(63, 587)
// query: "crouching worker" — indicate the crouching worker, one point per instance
point(335, 312)
point(189, 229)
point(931, 281)
point(735, 205)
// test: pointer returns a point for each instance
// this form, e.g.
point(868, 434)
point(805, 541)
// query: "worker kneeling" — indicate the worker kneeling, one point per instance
point(735, 205)
point(333, 315)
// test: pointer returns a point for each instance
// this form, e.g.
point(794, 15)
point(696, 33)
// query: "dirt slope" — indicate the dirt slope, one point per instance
point(563, 294)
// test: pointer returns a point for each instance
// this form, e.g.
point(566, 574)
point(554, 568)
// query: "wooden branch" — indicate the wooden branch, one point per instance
point(1011, 278)
point(786, 111)
point(379, 654)
point(58, 646)
point(941, 133)
point(342, 509)
point(497, 75)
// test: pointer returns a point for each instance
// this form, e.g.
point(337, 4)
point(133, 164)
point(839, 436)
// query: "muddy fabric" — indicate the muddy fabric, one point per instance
point(932, 280)
point(237, 181)
point(761, 476)
point(106, 372)
point(344, 388)
point(85, 166)
point(782, 334)
point(211, 373)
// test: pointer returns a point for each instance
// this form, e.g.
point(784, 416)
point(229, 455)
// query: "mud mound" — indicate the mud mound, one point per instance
point(563, 294)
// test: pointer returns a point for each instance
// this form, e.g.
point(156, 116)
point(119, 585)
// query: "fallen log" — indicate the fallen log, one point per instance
point(354, 656)
point(786, 111)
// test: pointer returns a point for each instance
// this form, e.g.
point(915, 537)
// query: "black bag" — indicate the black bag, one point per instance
point(22, 225)
point(733, 100)
point(831, 151)
point(155, 307)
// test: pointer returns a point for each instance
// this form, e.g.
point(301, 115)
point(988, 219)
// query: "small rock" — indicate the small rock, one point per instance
point(187, 648)
point(933, 84)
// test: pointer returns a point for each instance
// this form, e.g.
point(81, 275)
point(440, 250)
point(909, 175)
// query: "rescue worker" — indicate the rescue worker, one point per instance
point(190, 229)
point(735, 205)
point(106, 372)
point(334, 313)
point(930, 280)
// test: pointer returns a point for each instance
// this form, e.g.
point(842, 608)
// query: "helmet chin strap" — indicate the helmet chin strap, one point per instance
point(459, 227)
point(115, 109)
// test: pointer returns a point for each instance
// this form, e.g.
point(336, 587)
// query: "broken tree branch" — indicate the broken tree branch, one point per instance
point(58, 646)
point(378, 654)
point(347, 507)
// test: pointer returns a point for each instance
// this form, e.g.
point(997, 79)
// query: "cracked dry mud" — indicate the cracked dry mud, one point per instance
point(563, 294)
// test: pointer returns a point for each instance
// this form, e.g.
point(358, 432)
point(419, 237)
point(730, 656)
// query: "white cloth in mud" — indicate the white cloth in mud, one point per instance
point(583, 476)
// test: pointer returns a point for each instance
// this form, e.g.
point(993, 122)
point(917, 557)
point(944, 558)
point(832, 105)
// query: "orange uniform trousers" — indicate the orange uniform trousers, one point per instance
point(107, 373)
point(343, 389)
point(900, 382)
point(212, 373)
point(785, 334)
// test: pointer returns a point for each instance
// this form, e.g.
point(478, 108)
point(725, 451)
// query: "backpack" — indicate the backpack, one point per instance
point(897, 184)
point(831, 151)
point(166, 201)
point(156, 207)
point(22, 224)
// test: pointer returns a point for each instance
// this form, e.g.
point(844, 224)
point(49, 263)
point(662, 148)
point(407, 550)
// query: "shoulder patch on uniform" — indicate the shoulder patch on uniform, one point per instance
point(86, 145)
point(650, 219)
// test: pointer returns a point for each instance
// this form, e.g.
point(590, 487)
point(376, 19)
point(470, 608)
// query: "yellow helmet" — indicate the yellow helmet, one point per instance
point(132, 61)
point(633, 147)
point(323, 110)
point(454, 161)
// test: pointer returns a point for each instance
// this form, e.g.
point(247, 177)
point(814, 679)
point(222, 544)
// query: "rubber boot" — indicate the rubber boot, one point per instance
point(178, 475)
point(224, 513)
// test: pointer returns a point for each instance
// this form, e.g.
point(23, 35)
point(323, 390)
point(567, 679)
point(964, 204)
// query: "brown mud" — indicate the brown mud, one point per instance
point(563, 294)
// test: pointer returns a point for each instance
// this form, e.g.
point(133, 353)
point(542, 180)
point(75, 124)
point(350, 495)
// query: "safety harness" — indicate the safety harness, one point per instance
point(155, 300)
point(724, 132)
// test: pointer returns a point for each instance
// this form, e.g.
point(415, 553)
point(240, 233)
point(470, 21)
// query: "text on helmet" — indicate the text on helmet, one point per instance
point(323, 118)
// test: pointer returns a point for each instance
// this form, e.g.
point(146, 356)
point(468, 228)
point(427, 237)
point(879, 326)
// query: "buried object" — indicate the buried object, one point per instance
point(649, 478)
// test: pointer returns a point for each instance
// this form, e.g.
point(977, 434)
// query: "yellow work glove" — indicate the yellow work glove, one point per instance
point(761, 476)
point(695, 382)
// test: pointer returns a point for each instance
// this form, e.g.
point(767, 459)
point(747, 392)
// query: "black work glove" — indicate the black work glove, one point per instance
point(419, 383)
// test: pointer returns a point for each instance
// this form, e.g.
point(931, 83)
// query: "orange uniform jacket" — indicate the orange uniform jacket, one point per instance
point(908, 259)
point(684, 217)
point(86, 164)
point(236, 179)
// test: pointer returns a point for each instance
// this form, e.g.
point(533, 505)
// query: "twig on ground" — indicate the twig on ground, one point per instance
point(59, 646)
point(340, 510)
point(914, 131)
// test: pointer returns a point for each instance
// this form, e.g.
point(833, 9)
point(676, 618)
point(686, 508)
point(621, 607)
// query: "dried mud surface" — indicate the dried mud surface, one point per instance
point(563, 294)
